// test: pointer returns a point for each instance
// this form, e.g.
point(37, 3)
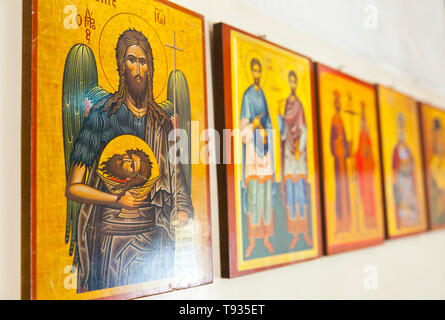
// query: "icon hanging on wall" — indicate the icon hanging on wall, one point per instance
point(433, 134)
point(268, 178)
point(402, 163)
point(349, 145)
point(114, 212)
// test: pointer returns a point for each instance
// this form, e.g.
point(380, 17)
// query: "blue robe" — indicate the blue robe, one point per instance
point(254, 103)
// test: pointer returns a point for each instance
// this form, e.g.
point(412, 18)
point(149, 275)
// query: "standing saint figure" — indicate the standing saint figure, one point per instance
point(258, 169)
point(115, 251)
point(365, 170)
point(294, 165)
point(437, 174)
point(404, 186)
point(340, 150)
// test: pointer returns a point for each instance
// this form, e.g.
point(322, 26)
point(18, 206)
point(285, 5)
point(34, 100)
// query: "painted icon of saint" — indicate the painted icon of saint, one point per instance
point(109, 250)
point(437, 171)
point(258, 167)
point(407, 210)
point(365, 171)
point(294, 184)
point(341, 151)
point(129, 170)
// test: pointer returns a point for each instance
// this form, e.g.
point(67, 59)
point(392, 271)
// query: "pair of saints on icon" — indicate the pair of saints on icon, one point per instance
point(258, 169)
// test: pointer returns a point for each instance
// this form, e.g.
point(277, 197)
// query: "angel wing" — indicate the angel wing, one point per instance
point(80, 93)
point(183, 111)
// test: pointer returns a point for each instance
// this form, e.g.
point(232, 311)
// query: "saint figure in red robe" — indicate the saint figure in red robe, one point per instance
point(365, 171)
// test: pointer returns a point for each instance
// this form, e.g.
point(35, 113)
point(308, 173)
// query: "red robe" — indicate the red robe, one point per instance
point(293, 120)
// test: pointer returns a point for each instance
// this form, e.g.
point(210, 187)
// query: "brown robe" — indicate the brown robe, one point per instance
point(114, 251)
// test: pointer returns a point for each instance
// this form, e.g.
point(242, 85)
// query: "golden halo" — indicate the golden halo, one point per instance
point(295, 66)
point(264, 66)
point(109, 35)
point(300, 71)
point(121, 144)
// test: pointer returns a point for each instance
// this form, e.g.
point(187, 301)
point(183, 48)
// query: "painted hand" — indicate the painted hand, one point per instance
point(128, 201)
point(256, 123)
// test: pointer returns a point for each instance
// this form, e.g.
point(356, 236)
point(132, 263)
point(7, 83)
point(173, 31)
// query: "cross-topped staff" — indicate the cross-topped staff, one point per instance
point(174, 47)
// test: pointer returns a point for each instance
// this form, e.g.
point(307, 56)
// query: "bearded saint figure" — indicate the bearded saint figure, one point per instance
point(294, 182)
point(341, 151)
point(436, 168)
point(405, 185)
point(365, 170)
point(129, 170)
point(111, 251)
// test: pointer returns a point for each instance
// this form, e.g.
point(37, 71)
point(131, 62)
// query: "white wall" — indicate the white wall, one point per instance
point(412, 267)
point(10, 124)
point(403, 36)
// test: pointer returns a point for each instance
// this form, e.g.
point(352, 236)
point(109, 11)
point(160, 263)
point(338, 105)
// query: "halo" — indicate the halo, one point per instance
point(109, 35)
point(299, 70)
point(121, 144)
point(292, 65)
point(264, 66)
